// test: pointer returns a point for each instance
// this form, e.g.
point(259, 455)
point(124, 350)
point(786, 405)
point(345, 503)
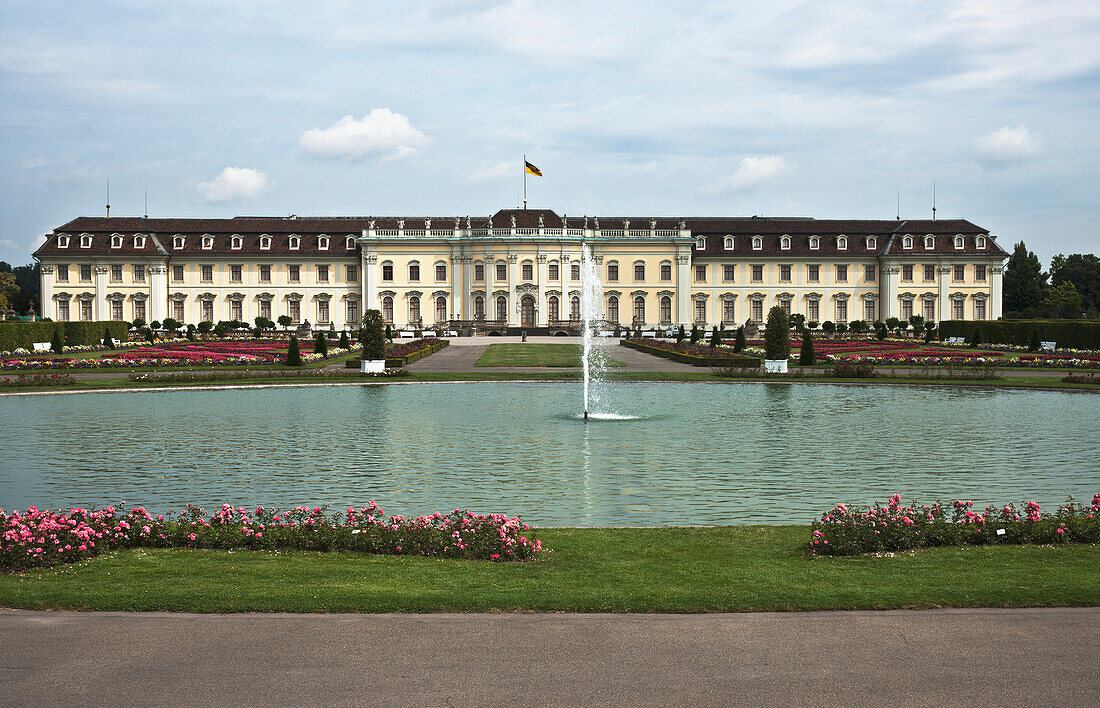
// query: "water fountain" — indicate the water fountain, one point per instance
point(591, 316)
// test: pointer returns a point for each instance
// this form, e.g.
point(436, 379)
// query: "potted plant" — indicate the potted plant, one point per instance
point(373, 338)
point(777, 341)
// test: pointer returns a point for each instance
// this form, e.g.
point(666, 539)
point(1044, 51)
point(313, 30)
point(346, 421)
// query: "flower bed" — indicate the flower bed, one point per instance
point(398, 355)
point(693, 354)
point(180, 353)
point(37, 380)
point(845, 530)
point(37, 538)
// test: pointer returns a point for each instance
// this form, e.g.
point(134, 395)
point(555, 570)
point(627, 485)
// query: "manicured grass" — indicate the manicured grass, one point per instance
point(732, 568)
point(563, 355)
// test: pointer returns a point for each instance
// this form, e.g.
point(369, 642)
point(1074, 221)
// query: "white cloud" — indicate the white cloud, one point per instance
point(380, 132)
point(1006, 145)
point(233, 183)
point(751, 172)
point(8, 243)
point(490, 173)
point(38, 241)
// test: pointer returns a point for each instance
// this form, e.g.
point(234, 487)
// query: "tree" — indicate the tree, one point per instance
point(798, 321)
point(806, 355)
point(892, 322)
point(715, 336)
point(284, 321)
point(1062, 300)
point(58, 347)
point(841, 327)
point(108, 340)
point(8, 290)
point(344, 343)
point(264, 323)
point(680, 334)
point(777, 335)
point(829, 327)
point(695, 334)
point(917, 321)
point(1034, 343)
point(929, 331)
point(293, 354)
point(205, 326)
point(858, 326)
point(373, 336)
point(880, 332)
point(739, 340)
point(155, 324)
point(813, 324)
point(138, 323)
point(150, 336)
point(1024, 283)
point(320, 344)
point(389, 333)
point(902, 326)
point(171, 324)
point(976, 336)
point(1083, 271)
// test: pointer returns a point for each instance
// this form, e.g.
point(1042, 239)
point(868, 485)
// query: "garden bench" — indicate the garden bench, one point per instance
point(956, 340)
point(605, 333)
point(649, 335)
point(41, 346)
point(405, 335)
point(1048, 346)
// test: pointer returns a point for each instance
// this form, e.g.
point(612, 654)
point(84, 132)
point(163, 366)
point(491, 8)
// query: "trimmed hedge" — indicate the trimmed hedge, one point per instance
point(14, 335)
point(1072, 334)
point(717, 360)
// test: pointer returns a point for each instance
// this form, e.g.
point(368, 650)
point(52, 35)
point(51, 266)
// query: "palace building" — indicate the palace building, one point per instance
point(517, 269)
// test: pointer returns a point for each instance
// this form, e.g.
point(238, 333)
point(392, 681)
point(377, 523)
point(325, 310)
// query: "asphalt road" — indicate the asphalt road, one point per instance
point(936, 657)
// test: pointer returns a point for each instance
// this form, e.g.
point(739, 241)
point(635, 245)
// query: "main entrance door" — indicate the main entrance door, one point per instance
point(527, 311)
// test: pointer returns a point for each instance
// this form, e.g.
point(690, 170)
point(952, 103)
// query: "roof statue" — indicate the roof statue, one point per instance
point(371, 224)
point(468, 222)
point(541, 224)
point(427, 224)
point(652, 224)
point(513, 221)
point(626, 224)
point(401, 224)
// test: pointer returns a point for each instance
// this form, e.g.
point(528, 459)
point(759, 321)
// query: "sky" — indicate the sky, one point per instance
point(824, 108)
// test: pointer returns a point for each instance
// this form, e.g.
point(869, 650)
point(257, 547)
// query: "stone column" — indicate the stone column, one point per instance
point(370, 287)
point(942, 302)
point(490, 274)
point(467, 286)
point(683, 286)
point(513, 298)
point(542, 315)
point(45, 292)
point(888, 292)
point(456, 286)
point(158, 293)
point(996, 283)
point(102, 309)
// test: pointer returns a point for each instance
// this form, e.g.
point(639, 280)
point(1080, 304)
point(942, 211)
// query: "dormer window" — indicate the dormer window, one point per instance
point(959, 241)
point(236, 242)
point(728, 243)
point(295, 242)
point(62, 241)
point(322, 243)
point(177, 242)
point(979, 242)
point(116, 241)
point(349, 243)
point(265, 243)
point(139, 242)
point(785, 242)
point(815, 243)
point(907, 242)
point(207, 243)
point(700, 243)
point(929, 242)
point(842, 243)
point(85, 241)
point(757, 243)
point(872, 242)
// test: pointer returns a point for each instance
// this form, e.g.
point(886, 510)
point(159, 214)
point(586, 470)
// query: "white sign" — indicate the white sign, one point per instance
point(41, 346)
point(1048, 346)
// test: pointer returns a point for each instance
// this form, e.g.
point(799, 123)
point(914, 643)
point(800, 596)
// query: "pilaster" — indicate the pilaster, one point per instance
point(942, 302)
point(102, 309)
point(513, 300)
point(543, 313)
point(996, 284)
point(158, 292)
point(45, 290)
point(683, 285)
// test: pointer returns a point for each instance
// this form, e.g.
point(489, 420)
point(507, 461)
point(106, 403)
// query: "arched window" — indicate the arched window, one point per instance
point(728, 243)
point(958, 242)
point(207, 242)
point(841, 243)
point(414, 310)
point(907, 242)
point(349, 243)
point(322, 243)
point(116, 241)
point(929, 243)
point(387, 309)
point(613, 310)
point(85, 241)
point(265, 243)
point(574, 308)
point(295, 242)
point(666, 309)
point(479, 308)
point(639, 309)
point(235, 243)
point(139, 242)
point(979, 242)
point(757, 243)
point(872, 242)
point(552, 305)
point(177, 242)
point(62, 241)
point(785, 242)
point(441, 309)
point(815, 243)
point(700, 243)
point(502, 308)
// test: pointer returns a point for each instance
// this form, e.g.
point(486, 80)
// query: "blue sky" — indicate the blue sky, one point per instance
point(819, 108)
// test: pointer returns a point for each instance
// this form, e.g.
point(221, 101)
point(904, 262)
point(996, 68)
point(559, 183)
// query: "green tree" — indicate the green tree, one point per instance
point(138, 323)
point(344, 343)
point(798, 321)
point(1024, 283)
point(1034, 343)
point(389, 333)
point(320, 344)
point(8, 290)
point(917, 321)
point(171, 325)
point(55, 343)
point(695, 335)
point(806, 354)
point(880, 331)
point(680, 334)
point(264, 323)
point(373, 336)
point(976, 336)
point(892, 322)
point(150, 336)
point(715, 337)
point(284, 321)
point(205, 326)
point(828, 326)
point(293, 354)
point(739, 339)
point(108, 340)
point(1081, 269)
point(777, 335)
point(858, 326)
point(1062, 300)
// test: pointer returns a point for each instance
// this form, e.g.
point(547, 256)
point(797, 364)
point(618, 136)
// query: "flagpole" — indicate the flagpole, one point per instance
point(525, 181)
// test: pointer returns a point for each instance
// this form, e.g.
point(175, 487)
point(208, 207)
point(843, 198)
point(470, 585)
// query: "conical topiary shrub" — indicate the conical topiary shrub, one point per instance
point(320, 344)
point(56, 344)
point(806, 354)
point(293, 354)
point(777, 337)
point(344, 343)
point(739, 340)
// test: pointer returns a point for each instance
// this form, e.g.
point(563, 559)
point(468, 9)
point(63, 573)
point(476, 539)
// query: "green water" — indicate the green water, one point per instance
point(681, 453)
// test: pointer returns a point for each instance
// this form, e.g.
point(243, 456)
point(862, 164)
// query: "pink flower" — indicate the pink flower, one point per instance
point(191, 536)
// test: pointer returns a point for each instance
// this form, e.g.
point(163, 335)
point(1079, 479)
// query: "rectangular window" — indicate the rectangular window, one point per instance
point(387, 273)
point(813, 273)
point(758, 310)
point(177, 274)
point(208, 274)
point(322, 311)
point(575, 272)
point(784, 274)
point(139, 309)
point(956, 309)
point(116, 274)
point(265, 308)
point(353, 311)
point(86, 310)
point(502, 272)
point(813, 311)
point(870, 273)
point(440, 273)
point(265, 274)
point(758, 274)
point(322, 274)
point(85, 273)
point(728, 312)
point(235, 273)
point(639, 272)
point(139, 274)
point(353, 274)
point(414, 272)
point(294, 273)
point(207, 310)
point(295, 310)
point(728, 271)
point(841, 311)
point(527, 272)
point(700, 274)
point(929, 310)
point(906, 310)
point(907, 273)
point(63, 273)
point(62, 310)
point(700, 311)
point(979, 309)
point(842, 274)
point(666, 272)
point(116, 310)
point(177, 310)
point(869, 311)
point(959, 273)
point(786, 305)
point(552, 271)
point(236, 310)
point(929, 273)
point(979, 273)
point(613, 272)
point(479, 272)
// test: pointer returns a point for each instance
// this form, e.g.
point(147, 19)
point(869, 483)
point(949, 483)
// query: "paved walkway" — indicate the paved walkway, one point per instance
point(462, 353)
point(974, 657)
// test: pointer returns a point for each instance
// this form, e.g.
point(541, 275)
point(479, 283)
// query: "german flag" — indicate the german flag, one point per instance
point(531, 169)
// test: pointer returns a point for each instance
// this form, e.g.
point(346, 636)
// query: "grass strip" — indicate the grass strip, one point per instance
point(719, 569)
point(555, 355)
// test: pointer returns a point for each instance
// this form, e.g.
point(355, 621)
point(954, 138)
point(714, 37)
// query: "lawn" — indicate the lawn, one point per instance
point(551, 355)
point(731, 568)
